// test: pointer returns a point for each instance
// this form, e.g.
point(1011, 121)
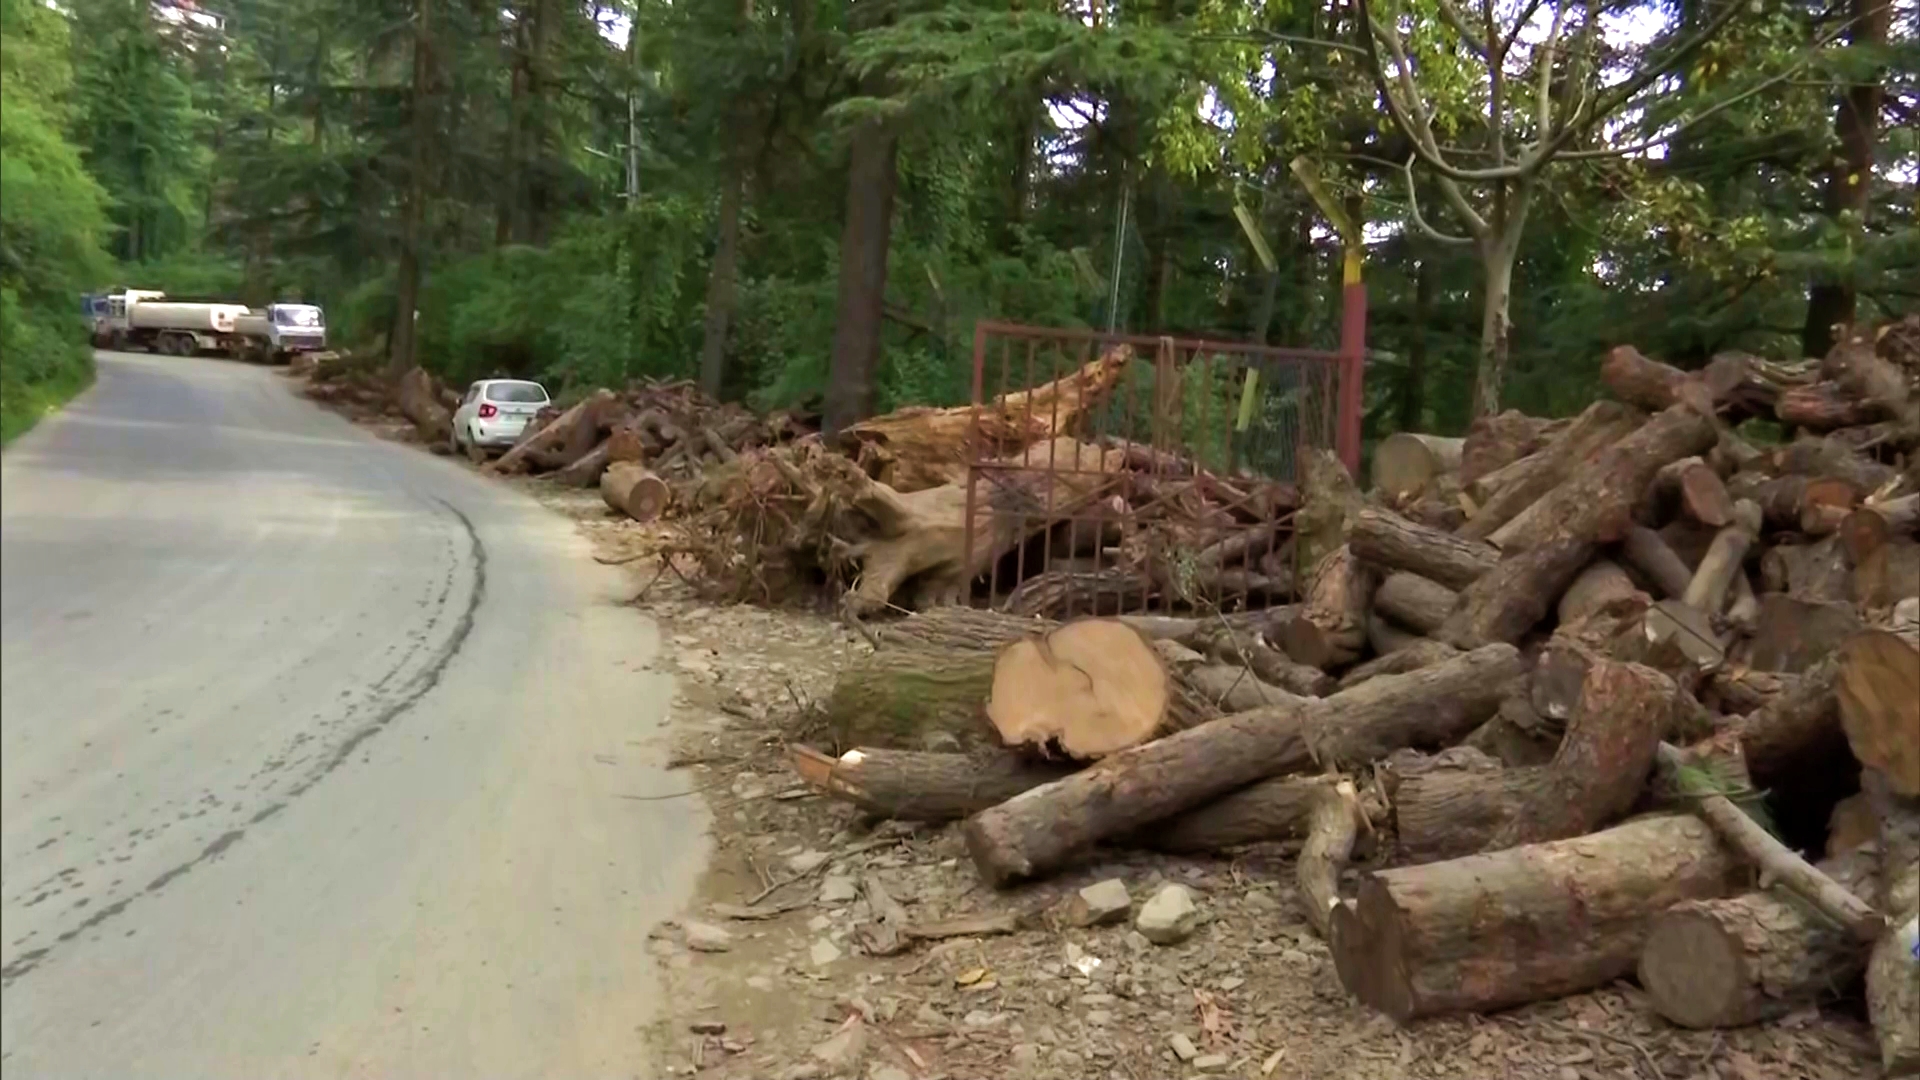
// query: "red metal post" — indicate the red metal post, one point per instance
point(1353, 352)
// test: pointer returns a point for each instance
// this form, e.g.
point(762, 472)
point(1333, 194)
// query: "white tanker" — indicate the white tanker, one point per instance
point(143, 319)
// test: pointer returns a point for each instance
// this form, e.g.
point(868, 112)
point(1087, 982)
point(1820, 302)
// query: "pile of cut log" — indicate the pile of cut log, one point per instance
point(1561, 703)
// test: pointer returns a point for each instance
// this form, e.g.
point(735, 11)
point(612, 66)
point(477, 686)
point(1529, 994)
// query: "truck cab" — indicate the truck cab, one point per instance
point(297, 327)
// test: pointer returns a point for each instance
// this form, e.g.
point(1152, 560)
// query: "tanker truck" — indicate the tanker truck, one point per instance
point(145, 319)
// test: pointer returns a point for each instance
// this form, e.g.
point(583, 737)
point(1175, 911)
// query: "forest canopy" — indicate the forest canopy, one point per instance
point(809, 200)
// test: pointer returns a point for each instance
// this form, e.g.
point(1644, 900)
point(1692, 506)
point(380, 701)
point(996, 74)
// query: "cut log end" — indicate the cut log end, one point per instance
point(1083, 691)
point(630, 489)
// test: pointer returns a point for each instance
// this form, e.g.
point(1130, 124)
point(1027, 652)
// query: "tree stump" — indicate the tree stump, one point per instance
point(1084, 690)
point(1330, 629)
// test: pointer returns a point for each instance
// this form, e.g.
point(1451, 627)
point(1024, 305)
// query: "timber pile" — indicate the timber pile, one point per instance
point(1550, 679)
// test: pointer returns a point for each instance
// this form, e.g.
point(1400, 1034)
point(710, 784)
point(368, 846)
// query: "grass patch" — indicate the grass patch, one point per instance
point(22, 405)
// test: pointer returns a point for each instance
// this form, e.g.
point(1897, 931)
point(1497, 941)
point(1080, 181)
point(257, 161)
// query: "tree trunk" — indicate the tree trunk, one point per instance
point(1423, 652)
point(1826, 406)
point(1391, 542)
point(569, 435)
point(1590, 508)
point(1857, 120)
point(1793, 635)
point(1497, 261)
point(913, 698)
point(1330, 629)
point(403, 345)
point(1531, 479)
point(1434, 706)
point(1598, 772)
point(1647, 552)
point(1488, 932)
point(1331, 831)
point(721, 281)
point(1413, 384)
point(855, 363)
point(1414, 602)
point(1748, 959)
point(911, 785)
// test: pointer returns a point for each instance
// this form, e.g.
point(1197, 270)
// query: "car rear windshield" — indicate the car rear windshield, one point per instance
point(519, 393)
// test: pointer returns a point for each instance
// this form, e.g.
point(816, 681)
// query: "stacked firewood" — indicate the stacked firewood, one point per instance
point(1634, 693)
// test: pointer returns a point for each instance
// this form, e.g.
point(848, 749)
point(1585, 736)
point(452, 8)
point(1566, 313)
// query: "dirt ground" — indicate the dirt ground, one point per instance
point(769, 980)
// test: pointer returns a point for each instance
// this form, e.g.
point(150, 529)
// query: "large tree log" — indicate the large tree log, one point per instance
point(1328, 499)
point(1421, 653)
point(1391, 542)
point(1039, 830)
point(1646, 551)
point(1332, 829)
point(1826, 406)
point(1707, 592)
point(924, 448)
point(419, 402)
point(1494, 442)
point(1832, 457)
point(630, 489)
point(1879, 691)
point(913, 697)
point(1747, 959)
point(1271, 665)
point(1795, 748)
point(1592, 507)
point(578, 424)
point(1531, 479)
point(1406, 464)
point(1491, 931)
point(1083, 690)
point(587, 469)
point(1595, 776)
point(1330, 629)
point(911, 785)
point(1414, 602)
point(1638, 380)
point(1786, 500)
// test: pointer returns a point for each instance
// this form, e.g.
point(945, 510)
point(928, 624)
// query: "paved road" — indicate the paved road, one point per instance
point(311, 755)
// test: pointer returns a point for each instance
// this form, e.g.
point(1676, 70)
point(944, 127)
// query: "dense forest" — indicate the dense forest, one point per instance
point(813, 199)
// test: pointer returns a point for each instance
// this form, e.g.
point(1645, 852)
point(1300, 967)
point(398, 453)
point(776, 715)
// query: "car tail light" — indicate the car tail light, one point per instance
point(488, 412)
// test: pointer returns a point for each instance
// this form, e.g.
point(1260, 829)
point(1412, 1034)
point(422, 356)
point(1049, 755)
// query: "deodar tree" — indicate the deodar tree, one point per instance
point(1491, 97)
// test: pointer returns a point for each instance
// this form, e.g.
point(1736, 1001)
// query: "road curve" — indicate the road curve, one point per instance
point(312, 755)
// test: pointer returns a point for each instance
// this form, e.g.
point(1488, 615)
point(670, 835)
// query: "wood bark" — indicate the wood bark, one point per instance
point(420, 404)
point(1494, 442)
point(1516, 736)
point(1271, 665)
point(1646, 551)
point(1332, 829)
point(1594, 777)
point(1786, 500)
point(576, 425)
point(1819, 572)
point(1639, 380)
point(1391, 542)
point(1421, 653)
point(1590, 508)
point(1330, 629)
point(1274, 810)
point(1385, 637)
point(1833, 457)
point(1533, 478)
point(1707, 592)
point(1893, 990)
point(1879, 692)
point(1748, 959)
point(911, 785)
point(854, 364)
point(1491, 931)
point(627, 487)
point(1039, 830)
point(1406, 463)
point(1826, 406)
point(1414, 602)
point(913, 697)
point(1328, 499)
point(588, 467)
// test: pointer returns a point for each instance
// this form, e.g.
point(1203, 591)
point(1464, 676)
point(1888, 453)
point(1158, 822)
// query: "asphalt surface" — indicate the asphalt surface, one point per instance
point(313, 751)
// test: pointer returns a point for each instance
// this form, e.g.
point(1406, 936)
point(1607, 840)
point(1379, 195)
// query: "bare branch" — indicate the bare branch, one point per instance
point(1543, 59)
point(1505, 43)
point(1413, 206)
point(1683, 125)
point(1450, 14)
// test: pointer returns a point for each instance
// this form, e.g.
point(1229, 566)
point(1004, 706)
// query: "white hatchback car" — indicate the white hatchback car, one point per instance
point(495, 412)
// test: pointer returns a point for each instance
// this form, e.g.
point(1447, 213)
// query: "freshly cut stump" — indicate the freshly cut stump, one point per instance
point(1748, 959)
point(1082, 691)
point(630, 489)
point(1510, 927)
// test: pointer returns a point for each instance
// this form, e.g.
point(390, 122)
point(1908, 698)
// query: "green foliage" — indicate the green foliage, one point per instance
point(51, 223)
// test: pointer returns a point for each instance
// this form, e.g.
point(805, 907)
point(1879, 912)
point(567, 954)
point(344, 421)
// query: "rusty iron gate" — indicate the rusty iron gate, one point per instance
point(1115, 472)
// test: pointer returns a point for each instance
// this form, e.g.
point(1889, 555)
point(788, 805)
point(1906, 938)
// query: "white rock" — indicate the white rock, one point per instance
point(837, 889)
point(1168, 918)
point(1026, 1055)
point(1232, 983)
point(1099, 1018)
point(1137, 942)
point(824, 952)
point(1100, 903)
point(807, 861)
point(760, 983)
point(887, 1072)
point(844, 1048)
point(1066, 1058)
point(1182, 1047)
point(706, 937)
point(819, 923)
point(1212, 1062)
